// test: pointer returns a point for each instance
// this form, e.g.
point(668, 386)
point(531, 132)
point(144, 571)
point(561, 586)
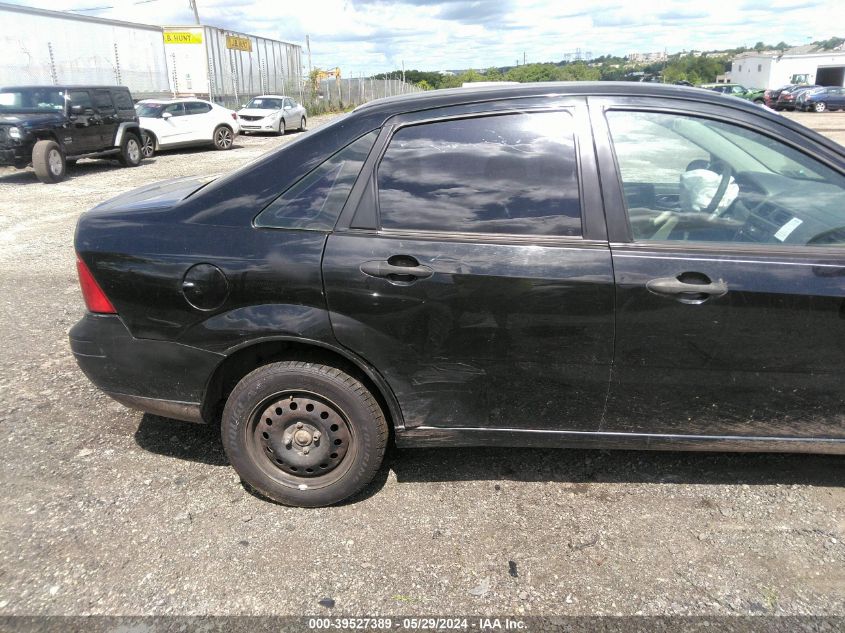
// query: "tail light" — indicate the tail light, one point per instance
point(95, 299)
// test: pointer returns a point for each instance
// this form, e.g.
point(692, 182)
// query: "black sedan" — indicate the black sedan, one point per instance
point(599, 265)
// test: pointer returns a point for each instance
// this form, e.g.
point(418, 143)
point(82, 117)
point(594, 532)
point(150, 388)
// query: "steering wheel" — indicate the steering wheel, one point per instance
point(713, 208)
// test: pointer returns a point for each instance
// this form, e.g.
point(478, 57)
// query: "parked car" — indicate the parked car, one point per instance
point(171, 123)
point(786, 98)
point(560, 264)
point(272, 113)
point(821, 99)
point(50, 127)
point(736, 90)
point(770, 96)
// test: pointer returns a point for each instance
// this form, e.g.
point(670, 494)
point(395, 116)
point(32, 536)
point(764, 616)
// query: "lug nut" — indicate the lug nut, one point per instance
point(288, 441)
point(306, 450)
point(317, 436)
point(299, 425)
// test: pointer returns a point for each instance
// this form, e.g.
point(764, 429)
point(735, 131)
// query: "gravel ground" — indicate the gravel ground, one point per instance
point(108, 511)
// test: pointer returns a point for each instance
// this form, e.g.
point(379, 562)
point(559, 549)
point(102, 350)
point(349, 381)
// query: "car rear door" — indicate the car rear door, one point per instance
point(108, 117)
point(471, 268)
point(730, 318)
point(199, 123)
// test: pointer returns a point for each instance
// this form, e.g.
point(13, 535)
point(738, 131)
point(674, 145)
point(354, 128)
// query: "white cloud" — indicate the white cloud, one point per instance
point(366, 36)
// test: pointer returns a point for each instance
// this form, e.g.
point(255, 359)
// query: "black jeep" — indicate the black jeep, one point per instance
point(49, 127)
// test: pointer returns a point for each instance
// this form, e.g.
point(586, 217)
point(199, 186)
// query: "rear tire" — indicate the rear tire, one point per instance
point(48, 161)
point(223, 138)
point(303, 434)
point(130, 150)
point(820, 106)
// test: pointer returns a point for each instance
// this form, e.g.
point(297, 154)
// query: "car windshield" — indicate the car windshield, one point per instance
point(150, 110)
point(263, 103)
point(26, 100)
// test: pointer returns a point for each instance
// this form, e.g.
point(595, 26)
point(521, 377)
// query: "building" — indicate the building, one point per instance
point(802, 64)
point(648, 58)
point(38, 46)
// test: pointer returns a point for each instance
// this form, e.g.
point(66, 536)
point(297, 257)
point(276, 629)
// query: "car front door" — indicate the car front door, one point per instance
point(728, 238)
point(85, 135)
point(473, 272)
point(289, 114)
point(174, 126)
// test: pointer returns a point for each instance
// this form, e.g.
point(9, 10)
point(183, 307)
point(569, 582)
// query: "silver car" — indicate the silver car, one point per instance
point(272, 113)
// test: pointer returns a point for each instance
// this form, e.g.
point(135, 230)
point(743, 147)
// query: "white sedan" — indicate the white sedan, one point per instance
point(272, 113)
point(169, 123)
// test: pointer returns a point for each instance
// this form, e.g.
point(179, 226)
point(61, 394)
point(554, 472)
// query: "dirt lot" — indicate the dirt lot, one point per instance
point(108, 511)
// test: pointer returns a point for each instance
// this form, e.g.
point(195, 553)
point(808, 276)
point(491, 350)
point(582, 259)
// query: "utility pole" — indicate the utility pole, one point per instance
point(403, 71)
point(523, 58)
point(193, 5)
point(308, 47)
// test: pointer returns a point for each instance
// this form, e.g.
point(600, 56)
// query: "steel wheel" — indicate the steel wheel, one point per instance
point(300, 435)
point(223, 137)
point(303, 434)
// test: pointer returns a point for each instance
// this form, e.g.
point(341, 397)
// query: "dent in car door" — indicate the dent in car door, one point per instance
point(731, 321)
point(478, 294)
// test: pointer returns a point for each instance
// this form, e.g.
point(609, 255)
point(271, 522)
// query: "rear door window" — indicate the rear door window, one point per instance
point(507, 174)
point(103, 102)
point(197, 107)
point(122, 101)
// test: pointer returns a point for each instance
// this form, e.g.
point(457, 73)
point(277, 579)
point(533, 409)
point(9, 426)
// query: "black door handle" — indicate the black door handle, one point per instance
point(395, 272)
point(693, 288)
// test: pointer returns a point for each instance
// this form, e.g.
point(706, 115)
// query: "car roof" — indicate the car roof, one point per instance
point(456, 96)
point(177, 100)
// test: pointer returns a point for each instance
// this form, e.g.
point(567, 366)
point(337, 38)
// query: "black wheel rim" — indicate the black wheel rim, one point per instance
point(300, 440)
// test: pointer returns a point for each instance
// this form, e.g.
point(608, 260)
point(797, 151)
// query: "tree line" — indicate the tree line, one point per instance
point(694, 68)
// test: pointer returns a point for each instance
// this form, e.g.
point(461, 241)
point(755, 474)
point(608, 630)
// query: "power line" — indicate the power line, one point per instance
point(108, 7)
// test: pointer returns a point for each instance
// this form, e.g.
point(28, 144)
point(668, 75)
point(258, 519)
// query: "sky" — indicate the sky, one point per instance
point(370, 36)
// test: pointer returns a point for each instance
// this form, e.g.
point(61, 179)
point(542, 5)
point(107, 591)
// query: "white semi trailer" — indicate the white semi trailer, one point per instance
point(51, 47)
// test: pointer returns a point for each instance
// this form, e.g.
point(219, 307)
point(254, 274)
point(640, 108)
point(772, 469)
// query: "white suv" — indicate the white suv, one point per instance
point(168, 123)
point(272, 113)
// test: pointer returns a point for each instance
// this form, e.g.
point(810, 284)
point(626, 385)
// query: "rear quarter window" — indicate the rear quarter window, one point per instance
point(315, 201)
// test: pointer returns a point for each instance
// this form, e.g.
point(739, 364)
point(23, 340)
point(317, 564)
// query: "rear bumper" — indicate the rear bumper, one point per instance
point(159, 377)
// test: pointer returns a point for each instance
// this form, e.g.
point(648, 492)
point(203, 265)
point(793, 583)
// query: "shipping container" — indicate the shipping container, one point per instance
point(52, 47)
point(229, 67)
